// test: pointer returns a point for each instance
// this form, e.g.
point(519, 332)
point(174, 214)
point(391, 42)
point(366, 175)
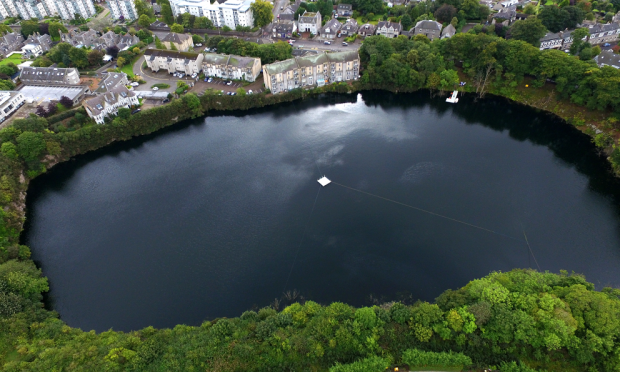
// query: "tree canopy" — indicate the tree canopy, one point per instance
point(262, 11)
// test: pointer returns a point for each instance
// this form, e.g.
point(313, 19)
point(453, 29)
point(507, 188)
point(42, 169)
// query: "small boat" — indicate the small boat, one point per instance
point(453, 98)
point(324, 181)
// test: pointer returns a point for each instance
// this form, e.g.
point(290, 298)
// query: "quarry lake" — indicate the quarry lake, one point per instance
point(223, 214)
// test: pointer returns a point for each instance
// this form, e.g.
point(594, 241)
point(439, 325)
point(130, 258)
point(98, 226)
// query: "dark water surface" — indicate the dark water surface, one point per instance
point(205, 219)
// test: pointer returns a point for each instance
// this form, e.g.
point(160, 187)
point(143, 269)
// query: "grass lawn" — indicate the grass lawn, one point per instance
point(160, 86)
point(373, 22)
point(128, 68)
point(15, 58)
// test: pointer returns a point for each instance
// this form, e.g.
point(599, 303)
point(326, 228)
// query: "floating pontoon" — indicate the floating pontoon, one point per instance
point(324, 181)
point(453, 98)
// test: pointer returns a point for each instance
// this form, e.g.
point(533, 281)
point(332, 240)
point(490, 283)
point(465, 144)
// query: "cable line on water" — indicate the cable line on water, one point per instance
point(429, 212)
point(530, 248)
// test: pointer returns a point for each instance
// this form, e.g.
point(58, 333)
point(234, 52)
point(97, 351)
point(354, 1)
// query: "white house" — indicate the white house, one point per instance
point(309, 22)
point(10, 101)
point(109, 103)
point(231, 67)
point(173, 61)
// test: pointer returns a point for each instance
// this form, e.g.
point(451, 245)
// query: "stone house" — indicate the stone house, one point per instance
point(551, 40)
point(182, 42)
point(448, 32)
point(36, 45)
point(603, 33)
point(389, 29)
point(10, 43)
point(284, 29)
point(112, 80)
point(310, 22)
point(231, 67)
point(173, 61)
point(350, 27)
point(108, 103)
point(79, 38)
point(312, 70)
point(331, 29)
point(344, 10)
point(431, 29)
point(366, 30)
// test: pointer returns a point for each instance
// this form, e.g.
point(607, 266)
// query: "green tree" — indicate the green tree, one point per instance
point(193, 104)
point(367, 6)
point(6, 85)
point(30, 146)
point(203, 22)
point(449, 78)
point(79, 57)
point(530, 30)
point(95, 57)
point(55, 29)
point(553, 17)
point(159, 44)
point(197, 39)
point(124, 113)
point(406, 22)
point(29, 27)
point(529, 9)
point(578, 43)
point(445, 13)
point(471, 8)
point(121, 61)
point(9, 150)
point(144, 21)
point(241, 92)
point(262, 11)
point(166, 14)
point(177, 28)
point(143, 8)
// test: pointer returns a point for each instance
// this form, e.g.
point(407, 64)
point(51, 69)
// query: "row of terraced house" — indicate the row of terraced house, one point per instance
point(315, 70)
point(599, 34)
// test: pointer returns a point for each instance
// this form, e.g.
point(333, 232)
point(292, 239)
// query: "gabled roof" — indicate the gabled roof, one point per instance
point(608, 58)
point(367, 28)
point(428, 25)
point(448, 30)
point(311, 60)
point(388, 24)
point(308, 17)
point(331, 27)
point(97, 104)
point(176, 38)
point(550, 36)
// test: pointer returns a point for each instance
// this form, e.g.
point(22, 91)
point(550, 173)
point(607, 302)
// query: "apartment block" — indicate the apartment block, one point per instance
point(173, 61)
point(231, 67)
point(231, 13)
point(123, 8)
point(315, 70)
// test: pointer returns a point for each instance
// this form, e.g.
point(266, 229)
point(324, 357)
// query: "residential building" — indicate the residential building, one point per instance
point(448, 32)
point(49, 75)
point(551, 40)
point(603, 33)
point(122, 42)
point(608, 58)
point(173, 61)
point(36, 45)
point(123, 9)
point(331, 29)
point(182, 42)
point(284, 29)
point(10, 101)
point(344, 10)
point(309, 22)
point(159, 24)
point(112, 80)
point(231, 67)
point(311, 70)
point(350, 27)
point(67, 9)
point(288, 14)
point(10, 43)
point(79, 38)
point(430, 29)
point(366, 30)
point(504, 17)
point(231, 13)
point(108, 103)
point(389, 29)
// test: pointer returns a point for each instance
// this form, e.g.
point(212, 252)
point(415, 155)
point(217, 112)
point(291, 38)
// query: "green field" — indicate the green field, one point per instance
point(15, 58)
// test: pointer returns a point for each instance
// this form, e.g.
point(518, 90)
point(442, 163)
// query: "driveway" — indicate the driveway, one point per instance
point(220, 85)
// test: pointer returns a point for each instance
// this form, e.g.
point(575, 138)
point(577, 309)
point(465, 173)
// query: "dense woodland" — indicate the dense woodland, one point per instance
point(522, 320)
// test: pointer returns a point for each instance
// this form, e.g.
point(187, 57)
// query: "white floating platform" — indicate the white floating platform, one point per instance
point(453, 98)
point(324, 181)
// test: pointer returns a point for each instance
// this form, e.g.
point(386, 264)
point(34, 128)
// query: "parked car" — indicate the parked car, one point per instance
point(344, 43)
point(199, 44)
point(210, 80)
point(606, 45)
point(228, 93)
point(206, 79)
point(181, 76)
point(135, 111)
point(250, 91)
point(134, 84)
point(232, 93)
point(165, 100)
point(229, 83)
point(155, 88)
point(194, 75)
point(327, 42)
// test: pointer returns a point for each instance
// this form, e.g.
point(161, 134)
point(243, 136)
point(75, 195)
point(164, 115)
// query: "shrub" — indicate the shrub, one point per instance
point(418, 358)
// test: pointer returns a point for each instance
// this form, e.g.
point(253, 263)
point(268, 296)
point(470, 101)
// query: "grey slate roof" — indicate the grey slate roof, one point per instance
point(428, 25)
point(176, 38)
point(607, 58)
point(388, 24)
point(350, 26)
point(47, 75)
point(97, 104)
point(331, 27)
point(310, 60)
point(308, 17)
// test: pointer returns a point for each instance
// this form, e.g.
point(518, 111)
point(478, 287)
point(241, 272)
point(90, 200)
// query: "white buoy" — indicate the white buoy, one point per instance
point(453, 98)
point(324, 181)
